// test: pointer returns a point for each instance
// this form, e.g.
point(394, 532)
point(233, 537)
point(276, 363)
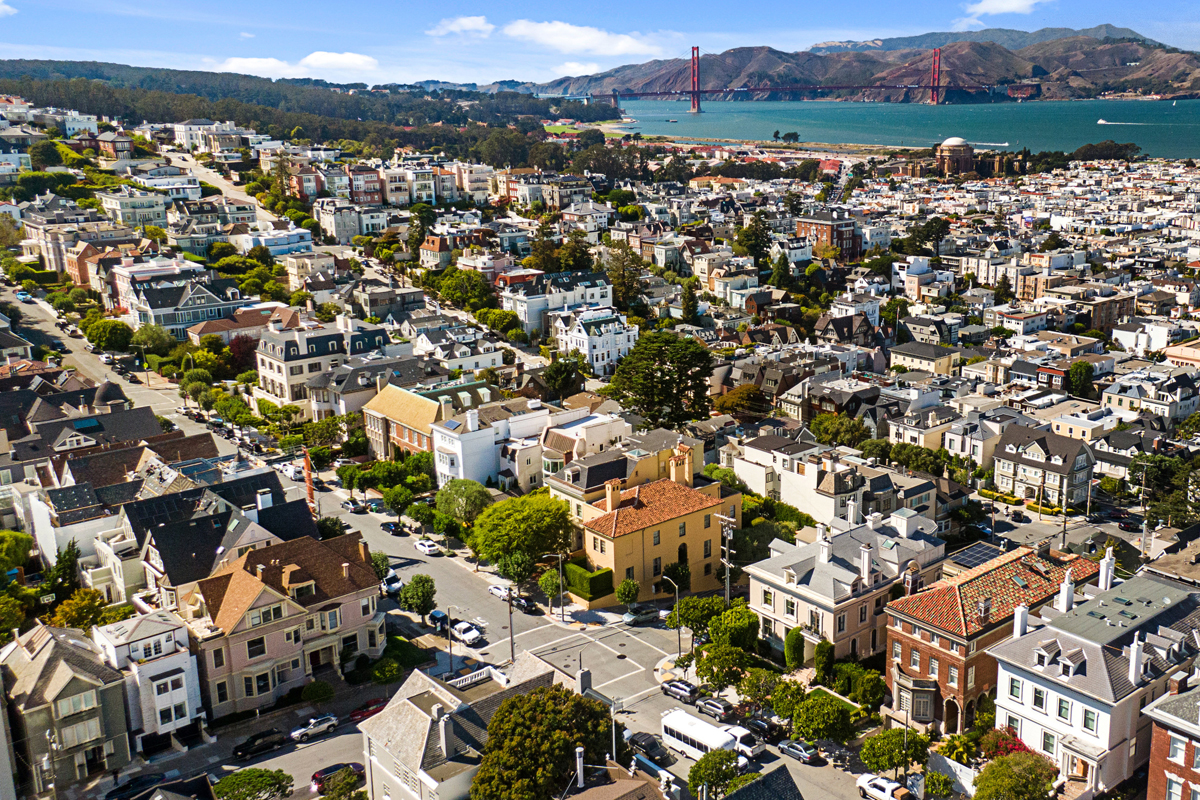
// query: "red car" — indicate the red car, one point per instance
point(321, 778)
point(369, 709)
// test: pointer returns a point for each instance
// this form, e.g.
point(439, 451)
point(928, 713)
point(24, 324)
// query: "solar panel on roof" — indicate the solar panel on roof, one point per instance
point(453, 425)
point(84, 424)
point(976, 554)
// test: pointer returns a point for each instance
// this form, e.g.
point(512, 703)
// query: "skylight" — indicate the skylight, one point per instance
point(1019, 581)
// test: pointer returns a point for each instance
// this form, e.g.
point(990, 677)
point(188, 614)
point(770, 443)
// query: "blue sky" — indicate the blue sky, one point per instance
point(382, 41)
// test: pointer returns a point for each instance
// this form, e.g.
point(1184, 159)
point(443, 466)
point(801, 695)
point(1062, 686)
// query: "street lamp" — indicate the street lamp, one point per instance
point(678, 626)
point(562, 614)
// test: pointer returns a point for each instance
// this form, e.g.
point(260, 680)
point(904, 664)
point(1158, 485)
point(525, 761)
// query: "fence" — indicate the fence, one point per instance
point(964, 776)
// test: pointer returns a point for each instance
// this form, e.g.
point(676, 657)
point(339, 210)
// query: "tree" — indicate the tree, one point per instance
point(893, 749)
point(386, 671)
point(745, 398)
point(628, 591)
point(155, 340)
point(823, 716)
point(551, 585)
point(317, 692)
point(533, 523)
point(737, 627)
point(823, 661)
point(1079, 380)
point(938, 784)
point(418, 596)
point(463, 499)
point(756, 686)
point(562, 377)
point(1003, 292)
point(110, 335)
point(781, 273)
point(1021, 776)
point(695, 613)
point(575, 255)
point(623, 268)
point(12, 614)
point(343, 785)
point(531, 741)
point(44, 154)
point(688, 304)
point(715, 769)
point(81, 610)
point(793, 648)
point(329, 527)
point(380, 563)
point(839, 429)
point(253, 783)
point(664, 379)
point(218, 250)
point(722, 665)
point(398, 499)
point(756, 239)
point(786, 697)
point(517, 566)
point(15, 547)
point(262, 254)
point(827, 251)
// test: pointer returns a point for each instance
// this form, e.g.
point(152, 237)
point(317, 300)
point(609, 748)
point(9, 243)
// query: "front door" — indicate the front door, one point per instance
point(314, 659)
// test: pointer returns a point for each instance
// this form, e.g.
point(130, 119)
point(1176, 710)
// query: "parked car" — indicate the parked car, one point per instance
point(354, 507)
point(343, 462)
point(803, 752)
point(467, 633)
point(391, 583)
point(106, 358)
point(133, 378)
point(874, 787)
point(261, 742)
point(500, 591)
point(648, 745)
point(763, 729)
point(681, 690)
point(320, 778)
point(316, 726)
point(640, 615)
point(394, 528)
point(135, 786)
point(716, 707)
point(525, 605)
point(25, 297)
point(368, 709)
point(427, 547)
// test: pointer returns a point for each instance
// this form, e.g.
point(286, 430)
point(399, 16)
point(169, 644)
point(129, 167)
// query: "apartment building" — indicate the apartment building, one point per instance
point(601, 335)
point(278, 615)
point(939, 668)
point(835, 589)
point(133, 207)
point(1039, 465)
point(533, 300)
point(812, 477)
point(287, 359)
point(399, 419)
point(837, 228)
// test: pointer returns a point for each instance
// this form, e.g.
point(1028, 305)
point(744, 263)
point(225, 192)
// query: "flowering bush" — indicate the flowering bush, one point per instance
point(1002, 742)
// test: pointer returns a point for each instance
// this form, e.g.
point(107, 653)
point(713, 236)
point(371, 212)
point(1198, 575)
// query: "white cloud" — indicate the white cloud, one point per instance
point(575, 68)
point(313, 65)
point(245, 35)
point(988, 7)
point(339, 61)
point(567, 38)
point(463, 26)
point(6, 10)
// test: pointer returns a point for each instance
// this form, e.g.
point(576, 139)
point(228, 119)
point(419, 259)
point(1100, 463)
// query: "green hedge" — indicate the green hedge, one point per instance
point(587, 585)
point(1012, 500)
point(1052, 510)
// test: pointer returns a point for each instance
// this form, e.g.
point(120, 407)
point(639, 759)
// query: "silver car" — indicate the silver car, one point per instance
point(315, 727)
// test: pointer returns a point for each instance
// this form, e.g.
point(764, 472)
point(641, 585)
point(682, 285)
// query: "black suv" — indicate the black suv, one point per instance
point(650, 747)
point(763, 729)
point(680, 690)
point(260, 743)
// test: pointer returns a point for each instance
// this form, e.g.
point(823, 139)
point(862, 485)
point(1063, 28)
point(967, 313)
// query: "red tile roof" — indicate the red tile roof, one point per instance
point(951, 604)
point(650, 504)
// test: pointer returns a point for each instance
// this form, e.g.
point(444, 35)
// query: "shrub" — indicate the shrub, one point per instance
point(1001, 742)
point(587, 585)
point(317, 692)
point(793, 648)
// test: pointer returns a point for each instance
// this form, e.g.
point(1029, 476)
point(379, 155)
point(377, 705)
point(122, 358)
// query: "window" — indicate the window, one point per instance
point(1089, 724)
point(789, 606)
point(261, 616)
point(78, 734)
point(862, 613)
point(656, 538)
point(367, 602)
point(914, 659)
point(708, 548)
point(933, 667)
point(768, 627)
point(350, 643)
point(657, 567)
point(683, 529)
point(935, 640)
point(181, 711)
point(248, 685)
point(970, 677)
point(1177, 749)
point(895, 651)
point(256, 648)
point(164, 716)
point(1014, 688)
point(1039, 699)
point(331, 620)
point(952, 676)
point(1064, 709)
point(841, 623)
point(77, 703)
point(708, 520)
point(629, 573)
point(768, 598)
point(1047, 742)
point(162, 688)
point(1015, 724)
point(262, 683)
point(1174, 788)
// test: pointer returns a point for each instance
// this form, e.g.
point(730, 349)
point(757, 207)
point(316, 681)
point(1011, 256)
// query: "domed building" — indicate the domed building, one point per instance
point(109, 396)
point(955, 156)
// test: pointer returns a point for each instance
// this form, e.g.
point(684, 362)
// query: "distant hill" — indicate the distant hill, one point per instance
point(1005, 37)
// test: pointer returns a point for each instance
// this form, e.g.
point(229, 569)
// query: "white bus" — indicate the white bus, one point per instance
point(694, 737)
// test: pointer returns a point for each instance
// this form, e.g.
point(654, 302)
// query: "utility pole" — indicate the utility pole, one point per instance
point(1145, 522)
point(512, 641)
point(727, 552)
point(1041, 494)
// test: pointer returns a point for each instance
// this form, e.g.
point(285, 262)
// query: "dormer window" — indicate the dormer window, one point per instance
point(1041, 659)
point(1066, 669)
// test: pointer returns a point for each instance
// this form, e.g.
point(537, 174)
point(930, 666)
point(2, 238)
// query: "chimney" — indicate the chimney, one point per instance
point(852, 511)
point(449, 740)
point(826, 546)
point(612, 494)
point(381, 380)
point(345, 569)
point(258, 570)
point(579, 767)
point(1135, 659)
point(875, 520)
point(1108, 566)
point(864, 563)
point(905, 522)
point(985, 609)
point(1020, 620)
point(1178, 682)
point(472, 420)
point(681, 470)
point(583, 681)
point(250, 512)
point(1066, 594)
point(311, 305)
point(263, 499)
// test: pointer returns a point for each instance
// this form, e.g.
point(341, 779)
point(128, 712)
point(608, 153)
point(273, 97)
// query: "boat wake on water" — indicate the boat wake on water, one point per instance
point(1106, 122)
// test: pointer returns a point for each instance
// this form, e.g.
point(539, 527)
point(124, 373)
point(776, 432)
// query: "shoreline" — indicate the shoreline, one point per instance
point(692, 142)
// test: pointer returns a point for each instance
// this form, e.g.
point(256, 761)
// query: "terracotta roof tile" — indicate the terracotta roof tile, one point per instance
point(650, 504)
point(951, 604)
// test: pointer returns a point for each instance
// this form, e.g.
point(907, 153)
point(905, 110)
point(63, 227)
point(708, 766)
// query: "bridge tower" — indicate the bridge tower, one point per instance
point(616, 100)
point(695, 80)
point(936, 77)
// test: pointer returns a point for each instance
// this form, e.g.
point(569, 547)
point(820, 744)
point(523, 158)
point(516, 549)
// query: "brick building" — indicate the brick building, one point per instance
point(1175, 740)
point(938, 638)
point(837, 228)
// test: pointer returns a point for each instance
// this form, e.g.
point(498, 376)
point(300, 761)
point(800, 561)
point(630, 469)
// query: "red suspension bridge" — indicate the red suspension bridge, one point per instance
point(694, 93)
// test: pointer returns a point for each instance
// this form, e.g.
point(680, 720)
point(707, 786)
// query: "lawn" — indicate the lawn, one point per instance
point(849, 706)
point(407, 654)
